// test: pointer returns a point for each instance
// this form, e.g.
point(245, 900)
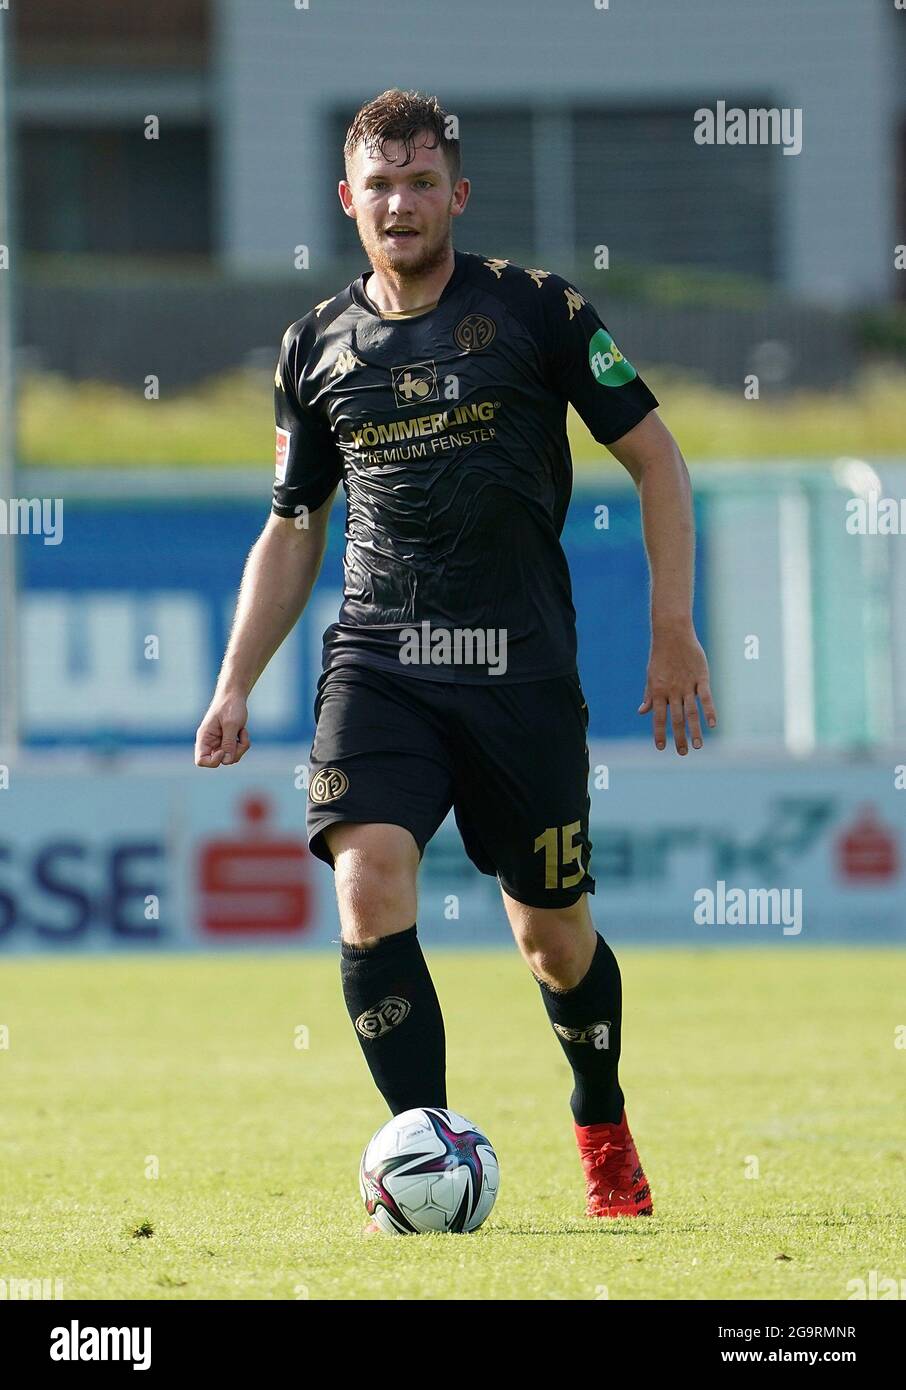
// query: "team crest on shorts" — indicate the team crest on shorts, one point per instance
point(328, 784)
point(374, 1023)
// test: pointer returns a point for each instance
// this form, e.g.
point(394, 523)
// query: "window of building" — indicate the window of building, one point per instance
point(111, 191)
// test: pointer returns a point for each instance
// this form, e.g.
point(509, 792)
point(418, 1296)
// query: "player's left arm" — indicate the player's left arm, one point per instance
point(677, 677)
point(587, 367)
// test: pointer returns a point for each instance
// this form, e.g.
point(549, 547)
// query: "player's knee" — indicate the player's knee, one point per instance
point(559, 967)
point(557, 947)
point(375, 869)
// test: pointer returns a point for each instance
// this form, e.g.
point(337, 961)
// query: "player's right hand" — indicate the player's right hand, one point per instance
point(222, 737)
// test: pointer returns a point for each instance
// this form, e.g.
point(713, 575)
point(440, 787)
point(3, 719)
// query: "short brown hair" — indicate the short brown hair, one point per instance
point(401, 116)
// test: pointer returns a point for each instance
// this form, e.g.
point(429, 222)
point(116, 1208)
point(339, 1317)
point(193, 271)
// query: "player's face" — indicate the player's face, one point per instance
point(403, 211)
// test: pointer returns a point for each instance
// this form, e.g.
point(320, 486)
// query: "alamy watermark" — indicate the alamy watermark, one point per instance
point(756, 125)
point(32, 516)
point(32, 1290)
point(874, 515)
point(83, 1343)
point(454, 646)
point(748, 907)
point(876, 1286)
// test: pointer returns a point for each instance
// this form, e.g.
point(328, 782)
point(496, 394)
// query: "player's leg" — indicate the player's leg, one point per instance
point(387, 987)
point(522, 805)
point(580, 985)
point(579, 980)
point(378, 789)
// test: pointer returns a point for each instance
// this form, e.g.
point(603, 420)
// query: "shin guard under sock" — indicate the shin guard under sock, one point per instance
point(587, 1021)
point(393, 1004)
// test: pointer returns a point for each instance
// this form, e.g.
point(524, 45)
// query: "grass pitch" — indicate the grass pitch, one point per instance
point(776, 1062)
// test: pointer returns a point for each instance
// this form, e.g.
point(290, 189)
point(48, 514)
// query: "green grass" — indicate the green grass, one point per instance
point(784, 1055)
point(228, 422)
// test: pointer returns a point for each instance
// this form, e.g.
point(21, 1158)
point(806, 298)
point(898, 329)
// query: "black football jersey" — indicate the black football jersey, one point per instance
point(447, 428)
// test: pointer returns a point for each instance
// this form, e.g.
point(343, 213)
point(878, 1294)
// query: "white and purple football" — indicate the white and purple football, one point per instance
point(428, 1170)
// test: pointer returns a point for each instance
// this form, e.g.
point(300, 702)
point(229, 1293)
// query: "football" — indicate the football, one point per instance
point(428, 1170)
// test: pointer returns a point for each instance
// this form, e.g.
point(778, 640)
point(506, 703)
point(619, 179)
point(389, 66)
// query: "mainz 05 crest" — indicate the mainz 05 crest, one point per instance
point(328, 784)
point(474, 332)
point(374, 1023)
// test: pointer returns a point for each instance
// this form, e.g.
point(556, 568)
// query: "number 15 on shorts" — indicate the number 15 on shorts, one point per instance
point(558, 844)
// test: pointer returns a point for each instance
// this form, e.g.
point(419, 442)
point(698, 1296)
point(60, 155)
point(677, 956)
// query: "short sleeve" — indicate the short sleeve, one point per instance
point(309, 464)
point(588, 368)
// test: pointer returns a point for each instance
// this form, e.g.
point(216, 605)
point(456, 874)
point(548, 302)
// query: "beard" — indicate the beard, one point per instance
point(382, 255)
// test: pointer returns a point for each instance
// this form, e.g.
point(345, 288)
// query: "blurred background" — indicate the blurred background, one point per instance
point(168, 203)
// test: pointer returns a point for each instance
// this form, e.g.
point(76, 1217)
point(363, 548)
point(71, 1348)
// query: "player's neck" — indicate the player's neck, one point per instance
point(395, 294)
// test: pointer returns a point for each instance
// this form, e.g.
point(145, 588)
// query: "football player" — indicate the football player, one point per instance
point(435, 389)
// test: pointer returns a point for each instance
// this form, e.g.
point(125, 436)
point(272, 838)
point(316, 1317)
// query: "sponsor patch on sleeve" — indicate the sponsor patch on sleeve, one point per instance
point(282, 453)
point(608, 365)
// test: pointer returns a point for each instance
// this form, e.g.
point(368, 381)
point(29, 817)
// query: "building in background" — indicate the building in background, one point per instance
point(576, 125)
point(85, 78)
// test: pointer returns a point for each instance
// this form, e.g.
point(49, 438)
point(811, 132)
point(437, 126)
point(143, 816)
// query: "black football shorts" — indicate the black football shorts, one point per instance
point(512, 761)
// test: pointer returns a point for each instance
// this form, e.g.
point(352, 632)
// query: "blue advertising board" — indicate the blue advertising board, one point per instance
point(125, 621)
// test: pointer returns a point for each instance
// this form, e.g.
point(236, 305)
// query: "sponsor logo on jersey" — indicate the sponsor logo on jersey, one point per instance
point(474, 332)
point(391, 1012)
point(608, 365)
point(282, 453)
point(415, 383)
point(369, 435)
point(596, 1033)
point(328, 784)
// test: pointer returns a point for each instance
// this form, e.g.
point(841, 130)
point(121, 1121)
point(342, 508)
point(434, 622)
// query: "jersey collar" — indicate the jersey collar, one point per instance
point(357, 290)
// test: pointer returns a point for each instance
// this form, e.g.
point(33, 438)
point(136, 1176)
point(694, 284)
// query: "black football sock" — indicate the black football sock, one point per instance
point(393, 1004)
point(587, 1021)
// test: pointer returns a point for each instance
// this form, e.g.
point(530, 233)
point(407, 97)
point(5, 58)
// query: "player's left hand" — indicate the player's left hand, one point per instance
point(677, 679)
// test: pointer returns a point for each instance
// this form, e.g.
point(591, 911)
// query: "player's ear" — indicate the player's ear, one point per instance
point(344, 191)
point(461, 191)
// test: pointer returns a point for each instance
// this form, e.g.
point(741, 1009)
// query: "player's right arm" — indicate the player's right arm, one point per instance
point(279, 576)
point(283, 563)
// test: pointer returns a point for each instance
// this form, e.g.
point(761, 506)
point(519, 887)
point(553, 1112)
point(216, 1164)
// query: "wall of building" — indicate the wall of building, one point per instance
point(283, 72)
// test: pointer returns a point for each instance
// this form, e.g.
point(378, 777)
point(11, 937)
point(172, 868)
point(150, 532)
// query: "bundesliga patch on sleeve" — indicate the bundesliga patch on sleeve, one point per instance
point(282, 453)
point(608, 365)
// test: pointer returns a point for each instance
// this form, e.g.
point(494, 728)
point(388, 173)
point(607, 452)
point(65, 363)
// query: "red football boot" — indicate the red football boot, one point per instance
point(615, 1182)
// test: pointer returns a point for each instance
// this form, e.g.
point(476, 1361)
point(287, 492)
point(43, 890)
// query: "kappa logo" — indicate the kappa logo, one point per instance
point(415, 383)
point(390, 1013)
point(597, 1033)
point(574, 301)
point(475, 332)
point(608, 365)
point(328, 784)
point(346, 362)
point(282, 453)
